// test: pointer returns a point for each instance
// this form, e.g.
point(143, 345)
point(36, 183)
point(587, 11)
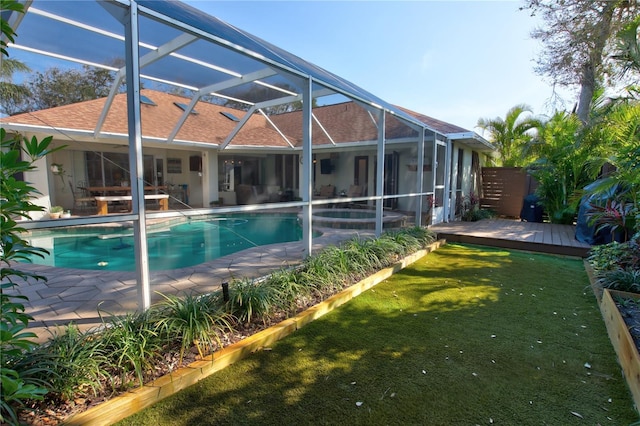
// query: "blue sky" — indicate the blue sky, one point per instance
point(453, 60)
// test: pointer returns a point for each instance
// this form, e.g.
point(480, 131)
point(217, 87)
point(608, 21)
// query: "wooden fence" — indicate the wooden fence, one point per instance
point(504, 189)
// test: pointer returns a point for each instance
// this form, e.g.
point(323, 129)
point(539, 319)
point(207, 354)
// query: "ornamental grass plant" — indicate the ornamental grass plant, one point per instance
point(467, 335)
point(130, 350)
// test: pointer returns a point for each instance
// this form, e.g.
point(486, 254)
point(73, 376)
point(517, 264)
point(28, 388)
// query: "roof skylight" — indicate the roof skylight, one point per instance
point(147, 101)
point(184, 107)
point(229, 116)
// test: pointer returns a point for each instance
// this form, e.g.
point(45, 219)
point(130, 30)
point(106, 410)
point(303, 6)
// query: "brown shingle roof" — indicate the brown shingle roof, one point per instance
point(438, 125)
point(345, 122)
point(209, 125)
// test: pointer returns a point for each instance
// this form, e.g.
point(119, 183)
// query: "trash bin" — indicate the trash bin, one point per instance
point(531, 209)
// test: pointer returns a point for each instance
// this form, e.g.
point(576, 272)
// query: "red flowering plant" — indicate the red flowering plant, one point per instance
point(617, 216)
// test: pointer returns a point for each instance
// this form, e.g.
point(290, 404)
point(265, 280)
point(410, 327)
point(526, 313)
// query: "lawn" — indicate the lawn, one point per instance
point(467, 335)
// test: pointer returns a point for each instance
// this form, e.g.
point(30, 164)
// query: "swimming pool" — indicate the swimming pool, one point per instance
point(170, 247)
point(342, 218)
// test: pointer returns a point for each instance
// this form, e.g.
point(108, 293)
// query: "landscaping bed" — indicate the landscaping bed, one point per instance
point(132, 349)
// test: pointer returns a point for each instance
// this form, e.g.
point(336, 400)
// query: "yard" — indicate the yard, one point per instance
point(467, 335)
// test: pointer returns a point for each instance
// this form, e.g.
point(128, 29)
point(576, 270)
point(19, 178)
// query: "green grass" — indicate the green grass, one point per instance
point(465, 336)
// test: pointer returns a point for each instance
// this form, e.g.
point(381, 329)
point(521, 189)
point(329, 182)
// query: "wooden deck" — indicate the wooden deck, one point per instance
point(513, 234)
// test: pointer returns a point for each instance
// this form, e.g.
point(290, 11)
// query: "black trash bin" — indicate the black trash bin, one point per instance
point(531, 210)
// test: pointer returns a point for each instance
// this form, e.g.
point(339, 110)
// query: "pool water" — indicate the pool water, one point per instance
point(179, 246)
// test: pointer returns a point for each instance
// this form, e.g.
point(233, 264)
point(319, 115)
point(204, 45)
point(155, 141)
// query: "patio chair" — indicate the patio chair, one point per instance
point(355, 191)
point(326, 191)
point(82, 201)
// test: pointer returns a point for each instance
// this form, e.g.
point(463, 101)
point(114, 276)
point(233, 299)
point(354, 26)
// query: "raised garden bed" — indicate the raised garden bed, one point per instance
point(131, 402)
point(612, 307)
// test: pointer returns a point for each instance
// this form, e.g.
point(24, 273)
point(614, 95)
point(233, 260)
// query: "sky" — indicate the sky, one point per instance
point(456, 61)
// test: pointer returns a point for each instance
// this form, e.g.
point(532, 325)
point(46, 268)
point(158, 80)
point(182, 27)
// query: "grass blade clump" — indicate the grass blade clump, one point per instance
point(75, 363)
point(290, 287)
point(131, 346)
point(194, 320)
point(249, 299)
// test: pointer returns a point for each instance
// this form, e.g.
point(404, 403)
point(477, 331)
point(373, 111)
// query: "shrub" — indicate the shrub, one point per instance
point(621, 279)
point(194, 320)
point(71, 363)
point(250, 299)
point(131, 346)
point(290, 287)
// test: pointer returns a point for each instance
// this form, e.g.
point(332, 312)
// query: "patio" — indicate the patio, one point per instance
point(514, 234)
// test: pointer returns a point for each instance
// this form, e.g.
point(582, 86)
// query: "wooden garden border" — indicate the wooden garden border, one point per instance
point(136, 400)
point(623, 344)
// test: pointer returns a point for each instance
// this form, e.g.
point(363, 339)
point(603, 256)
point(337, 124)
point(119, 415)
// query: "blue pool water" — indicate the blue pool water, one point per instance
point(178, 246)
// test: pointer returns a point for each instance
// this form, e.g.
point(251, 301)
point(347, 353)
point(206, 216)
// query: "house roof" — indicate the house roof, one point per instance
point(333, 124)
point(453, 132)
point(208, 125)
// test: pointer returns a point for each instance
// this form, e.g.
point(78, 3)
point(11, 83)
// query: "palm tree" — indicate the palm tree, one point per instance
point(13, 95)
point(512, 134)
point(565, 164)
point(628, 48)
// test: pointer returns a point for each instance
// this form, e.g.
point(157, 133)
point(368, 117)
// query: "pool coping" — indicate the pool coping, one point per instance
point(136, 400)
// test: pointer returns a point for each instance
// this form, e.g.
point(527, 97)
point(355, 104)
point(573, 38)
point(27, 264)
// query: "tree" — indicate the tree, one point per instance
point(564, 166)
point(627, 50)
point(577, 36)
point(56, 87)
point(14, 96)
point(512, 134)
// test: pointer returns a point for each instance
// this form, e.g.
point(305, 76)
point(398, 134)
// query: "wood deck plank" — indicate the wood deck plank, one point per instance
point(545, 237)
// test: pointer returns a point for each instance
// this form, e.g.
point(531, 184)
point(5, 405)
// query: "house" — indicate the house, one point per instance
point(263, 157)
point(294, 131)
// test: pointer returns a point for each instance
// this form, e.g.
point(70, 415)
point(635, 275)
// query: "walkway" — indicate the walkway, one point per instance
point(514, 234)
point(77, 295)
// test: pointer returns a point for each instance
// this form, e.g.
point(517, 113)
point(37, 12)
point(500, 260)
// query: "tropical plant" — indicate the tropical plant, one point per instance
point(194, 319)
point(71, 363)
point(14, 96)
point(618, 133)
point(250, 299)
point(16, 203)
point(131, 345)
point(628, 48)
point(511, 134)
point(565, 165)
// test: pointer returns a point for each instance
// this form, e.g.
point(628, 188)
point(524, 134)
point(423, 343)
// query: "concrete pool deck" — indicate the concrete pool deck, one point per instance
point(79, 295)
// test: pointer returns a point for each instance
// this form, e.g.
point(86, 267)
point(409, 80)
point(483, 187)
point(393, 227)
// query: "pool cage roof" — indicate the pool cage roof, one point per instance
point(182, 49)
point(175, 47)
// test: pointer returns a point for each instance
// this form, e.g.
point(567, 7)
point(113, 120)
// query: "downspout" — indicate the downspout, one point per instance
point(135, 157)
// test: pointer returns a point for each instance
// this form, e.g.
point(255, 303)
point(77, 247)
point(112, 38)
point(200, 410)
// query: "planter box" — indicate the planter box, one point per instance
point(131, 402)
point(622, 341)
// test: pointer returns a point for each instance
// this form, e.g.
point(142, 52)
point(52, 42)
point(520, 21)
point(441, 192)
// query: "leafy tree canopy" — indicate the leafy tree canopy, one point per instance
point(511, 134)
point(578, 38)
point(56, 87)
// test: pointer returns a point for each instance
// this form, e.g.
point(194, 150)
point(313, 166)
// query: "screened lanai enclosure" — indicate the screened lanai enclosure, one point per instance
point(208, 130)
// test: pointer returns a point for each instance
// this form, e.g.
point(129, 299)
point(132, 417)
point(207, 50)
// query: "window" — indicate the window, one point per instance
point(174, 165)
point(112, 169)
